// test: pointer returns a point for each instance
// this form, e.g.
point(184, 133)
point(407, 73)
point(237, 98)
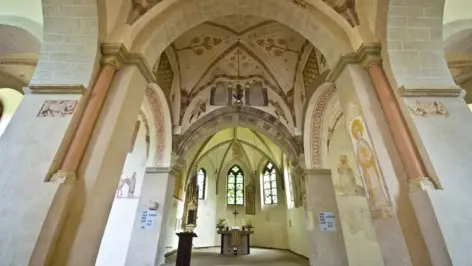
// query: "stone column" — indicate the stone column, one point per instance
point(441, 120)
point(147, 245)
point(98, 175)
point(406, 147)
point(29, 148)
point(84, 131)
point(326, 247)
point(395, 223)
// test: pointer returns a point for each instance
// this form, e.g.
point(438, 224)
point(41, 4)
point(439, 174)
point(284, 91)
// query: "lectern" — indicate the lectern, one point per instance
point(184, 250)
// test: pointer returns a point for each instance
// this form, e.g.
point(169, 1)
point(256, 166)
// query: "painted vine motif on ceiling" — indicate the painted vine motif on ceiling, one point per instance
point(345, 8)
point(164, 74)
point(200, 45)
point(266, 49)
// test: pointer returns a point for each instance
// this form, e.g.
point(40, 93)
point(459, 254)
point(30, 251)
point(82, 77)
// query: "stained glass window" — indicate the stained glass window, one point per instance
point(270, 184)
point(201, 182)
point(235, 186)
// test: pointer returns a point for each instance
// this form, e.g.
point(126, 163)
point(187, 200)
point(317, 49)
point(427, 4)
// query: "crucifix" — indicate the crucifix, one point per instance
point(235, 213)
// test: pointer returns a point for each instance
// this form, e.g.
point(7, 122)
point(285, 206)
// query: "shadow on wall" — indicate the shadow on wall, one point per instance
point(10, 99)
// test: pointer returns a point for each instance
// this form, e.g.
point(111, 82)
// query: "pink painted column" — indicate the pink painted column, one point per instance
point(406, 147)
point(84, 131)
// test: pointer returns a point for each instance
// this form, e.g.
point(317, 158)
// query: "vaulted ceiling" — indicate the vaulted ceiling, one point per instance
point(267, 49)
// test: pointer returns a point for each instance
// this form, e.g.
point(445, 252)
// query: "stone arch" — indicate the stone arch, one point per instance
point(315, 118)
point(160, 26)
point(70, 43)
point(411, 33)
point(236, 116)
point(457, 31)
point(162, 126)
point(19, 52)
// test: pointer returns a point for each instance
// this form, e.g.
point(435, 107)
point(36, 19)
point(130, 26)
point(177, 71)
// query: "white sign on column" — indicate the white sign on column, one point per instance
point(148, 218)
point(327, 221)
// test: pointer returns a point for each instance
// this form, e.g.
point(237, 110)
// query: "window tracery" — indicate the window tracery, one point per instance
point(270, 184)
point(235, 189)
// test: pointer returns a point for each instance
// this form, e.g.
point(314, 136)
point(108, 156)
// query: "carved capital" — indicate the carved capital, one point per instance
point(366, 55)
point(420, 184)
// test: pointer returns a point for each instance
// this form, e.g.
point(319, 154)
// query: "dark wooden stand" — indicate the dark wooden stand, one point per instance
point(184, 251)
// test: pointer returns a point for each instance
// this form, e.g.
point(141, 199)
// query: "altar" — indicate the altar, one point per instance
point(235, 241)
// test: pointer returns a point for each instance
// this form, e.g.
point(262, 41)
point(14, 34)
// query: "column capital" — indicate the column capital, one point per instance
point(56, 89)
point(117, 54)
point(366, 55)
point(158, 170)
point(318, 172)
point(453, 91)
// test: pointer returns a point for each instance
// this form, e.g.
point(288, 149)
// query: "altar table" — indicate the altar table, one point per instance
point(235, 242)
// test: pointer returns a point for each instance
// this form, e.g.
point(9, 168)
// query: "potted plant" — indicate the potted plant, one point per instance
point(248, 225)
point(221, 224)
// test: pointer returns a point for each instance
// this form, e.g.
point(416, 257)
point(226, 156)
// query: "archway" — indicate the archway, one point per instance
point(242, 116)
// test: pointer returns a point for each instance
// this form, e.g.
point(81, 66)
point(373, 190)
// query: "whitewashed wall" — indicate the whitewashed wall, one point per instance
point(116, 238)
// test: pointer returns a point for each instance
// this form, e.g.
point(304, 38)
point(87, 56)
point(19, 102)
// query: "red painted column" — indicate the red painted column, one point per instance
point(89, 118)
point(404, 142)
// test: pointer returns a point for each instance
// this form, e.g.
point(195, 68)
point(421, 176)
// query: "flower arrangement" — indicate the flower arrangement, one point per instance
point(222, 222)
point(248, 224)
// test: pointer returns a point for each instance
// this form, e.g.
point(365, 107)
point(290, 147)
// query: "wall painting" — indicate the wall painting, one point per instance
point(374, 184)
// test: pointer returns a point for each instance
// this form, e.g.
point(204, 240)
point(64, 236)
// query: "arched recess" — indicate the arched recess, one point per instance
point(160, 26)
point(315, 133)
point(162, 126)
point(235, 116)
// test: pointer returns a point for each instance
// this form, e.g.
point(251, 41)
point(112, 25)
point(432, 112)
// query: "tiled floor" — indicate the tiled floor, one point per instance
point(258, 257)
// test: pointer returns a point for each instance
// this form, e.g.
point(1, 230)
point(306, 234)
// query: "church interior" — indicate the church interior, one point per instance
point(221, 132)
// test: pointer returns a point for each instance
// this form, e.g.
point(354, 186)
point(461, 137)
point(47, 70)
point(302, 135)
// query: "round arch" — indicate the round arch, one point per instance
point(160, 26)
point(236, 116)
point(314, 125)
point(407, 45)
point(162, 126)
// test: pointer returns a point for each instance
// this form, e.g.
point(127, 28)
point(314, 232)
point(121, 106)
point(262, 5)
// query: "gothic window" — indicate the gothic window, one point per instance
point(235, 192)
point(270, 184)
point(201, 183)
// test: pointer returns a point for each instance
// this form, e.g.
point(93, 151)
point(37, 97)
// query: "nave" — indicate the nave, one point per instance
point(258, 257)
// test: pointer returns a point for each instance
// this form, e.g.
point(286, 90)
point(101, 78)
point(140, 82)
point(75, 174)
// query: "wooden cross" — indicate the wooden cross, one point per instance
point(235, 213)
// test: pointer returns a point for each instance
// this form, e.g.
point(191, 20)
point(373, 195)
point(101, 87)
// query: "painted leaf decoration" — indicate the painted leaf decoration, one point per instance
point(199, 51)
point(277, 52)
point(195, 39)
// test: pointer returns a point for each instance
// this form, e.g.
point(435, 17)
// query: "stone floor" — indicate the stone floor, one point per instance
point(258, 257)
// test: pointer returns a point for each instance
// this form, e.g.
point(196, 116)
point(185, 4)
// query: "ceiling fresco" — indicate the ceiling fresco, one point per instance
point(266, 48)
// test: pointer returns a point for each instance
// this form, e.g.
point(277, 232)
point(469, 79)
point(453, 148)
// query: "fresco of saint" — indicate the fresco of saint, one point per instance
point(372, 177)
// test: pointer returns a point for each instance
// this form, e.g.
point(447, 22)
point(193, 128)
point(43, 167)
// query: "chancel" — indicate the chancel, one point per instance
point(310, 132)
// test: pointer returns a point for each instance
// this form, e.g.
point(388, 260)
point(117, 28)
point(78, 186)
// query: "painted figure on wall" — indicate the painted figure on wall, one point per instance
point(130, 182)
point(373, 180)
point(57, 108)
point(250, 198)
point(347, 179)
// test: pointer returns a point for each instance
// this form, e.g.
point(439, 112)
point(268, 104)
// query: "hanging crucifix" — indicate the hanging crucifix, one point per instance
point(235, 213)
